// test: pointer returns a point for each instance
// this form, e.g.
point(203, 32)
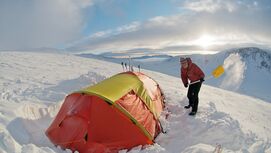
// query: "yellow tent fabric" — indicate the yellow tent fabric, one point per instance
point(113, 88)
point(117, 86)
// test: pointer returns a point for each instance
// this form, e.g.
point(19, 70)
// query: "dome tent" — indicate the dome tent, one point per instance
point(120, 112)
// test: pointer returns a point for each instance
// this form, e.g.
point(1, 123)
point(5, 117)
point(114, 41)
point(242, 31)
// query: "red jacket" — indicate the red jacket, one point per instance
point(192, 72)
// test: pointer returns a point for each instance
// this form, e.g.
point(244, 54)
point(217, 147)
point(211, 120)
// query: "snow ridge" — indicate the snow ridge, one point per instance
point(261, 58)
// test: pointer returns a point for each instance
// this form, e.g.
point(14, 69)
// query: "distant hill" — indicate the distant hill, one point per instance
point(248, 70)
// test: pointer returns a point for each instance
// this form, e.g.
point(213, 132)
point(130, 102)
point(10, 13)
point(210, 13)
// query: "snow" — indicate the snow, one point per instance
point(247, 70)
point(234, 72)
point(34, 85)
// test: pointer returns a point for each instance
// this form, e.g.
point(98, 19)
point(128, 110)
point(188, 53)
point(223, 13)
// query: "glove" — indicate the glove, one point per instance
point(202, 79)
point(186, 85)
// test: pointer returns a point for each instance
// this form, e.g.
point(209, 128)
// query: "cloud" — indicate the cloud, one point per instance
point(150, 34)
point(214, 6)
point(230, 24)
point(50, 23)
point(234, 71)
point(211, 5)
point(40, 23)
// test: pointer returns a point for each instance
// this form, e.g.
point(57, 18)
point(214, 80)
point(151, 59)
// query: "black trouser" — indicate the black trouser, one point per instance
point(193, 96)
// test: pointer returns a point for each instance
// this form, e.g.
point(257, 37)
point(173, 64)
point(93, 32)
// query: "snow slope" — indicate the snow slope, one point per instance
point(247, 70)
point(34, 85)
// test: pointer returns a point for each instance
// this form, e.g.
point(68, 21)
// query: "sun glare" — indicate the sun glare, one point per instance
point(205, 41)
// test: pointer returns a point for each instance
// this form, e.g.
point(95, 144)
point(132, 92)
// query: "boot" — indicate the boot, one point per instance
point(187, 107)
point(192, 113)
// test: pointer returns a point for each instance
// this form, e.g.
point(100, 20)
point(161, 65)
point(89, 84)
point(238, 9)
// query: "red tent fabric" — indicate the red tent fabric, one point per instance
point(93, 123)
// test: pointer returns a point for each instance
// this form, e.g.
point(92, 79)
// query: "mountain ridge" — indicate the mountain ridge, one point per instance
point(247, 69)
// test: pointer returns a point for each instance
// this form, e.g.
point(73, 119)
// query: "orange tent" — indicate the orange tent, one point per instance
point(120, 112)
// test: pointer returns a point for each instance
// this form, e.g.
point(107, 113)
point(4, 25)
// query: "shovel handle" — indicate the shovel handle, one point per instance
point(194, 82)
point(206, 78)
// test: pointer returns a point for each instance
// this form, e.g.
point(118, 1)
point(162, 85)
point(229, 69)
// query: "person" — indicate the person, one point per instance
point(190, 71)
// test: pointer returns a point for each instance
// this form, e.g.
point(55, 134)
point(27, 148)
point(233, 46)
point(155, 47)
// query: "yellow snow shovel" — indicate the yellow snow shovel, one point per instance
point(218, 71)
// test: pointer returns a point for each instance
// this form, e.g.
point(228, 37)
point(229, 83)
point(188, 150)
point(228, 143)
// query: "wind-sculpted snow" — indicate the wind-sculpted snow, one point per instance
point(34, 85)
point(208, 127)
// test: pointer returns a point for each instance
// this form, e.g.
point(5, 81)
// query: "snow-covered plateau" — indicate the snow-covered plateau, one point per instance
point(34, 85)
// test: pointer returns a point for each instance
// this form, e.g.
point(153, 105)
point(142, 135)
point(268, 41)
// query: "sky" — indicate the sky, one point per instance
point(123, 25)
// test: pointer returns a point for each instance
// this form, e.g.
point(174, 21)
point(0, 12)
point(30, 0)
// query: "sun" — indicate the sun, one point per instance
point(205, 41)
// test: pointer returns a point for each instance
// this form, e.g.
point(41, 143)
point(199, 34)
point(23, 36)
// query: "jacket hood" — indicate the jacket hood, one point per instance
point(189, 60)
